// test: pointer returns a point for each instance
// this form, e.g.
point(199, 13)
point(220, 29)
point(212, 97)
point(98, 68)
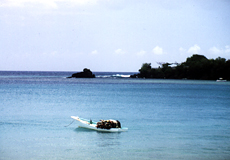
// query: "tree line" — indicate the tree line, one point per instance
point(195, 67)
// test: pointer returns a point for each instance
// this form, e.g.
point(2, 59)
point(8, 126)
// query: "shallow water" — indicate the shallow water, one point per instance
point(167, 119)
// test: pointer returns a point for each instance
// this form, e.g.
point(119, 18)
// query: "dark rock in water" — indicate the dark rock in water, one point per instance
point(85, 74)
point(134, 76)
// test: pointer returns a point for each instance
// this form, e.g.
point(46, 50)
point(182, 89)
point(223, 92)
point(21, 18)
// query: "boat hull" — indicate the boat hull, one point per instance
point(85, 124)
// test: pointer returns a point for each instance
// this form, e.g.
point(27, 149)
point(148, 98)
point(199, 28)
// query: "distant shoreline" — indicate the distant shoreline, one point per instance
point(197, 67)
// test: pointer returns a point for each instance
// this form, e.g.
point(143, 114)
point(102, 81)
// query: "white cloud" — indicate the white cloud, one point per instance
point(46, 3)
point(119, 51)
point(141, 53)
point(215, 50)
point(94, 52)
point(157, 50)
point(181, 49)
point(227, 49)
point(194, 50)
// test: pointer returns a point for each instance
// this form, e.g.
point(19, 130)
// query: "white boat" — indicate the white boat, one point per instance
point(83, 123)
point(221, 80)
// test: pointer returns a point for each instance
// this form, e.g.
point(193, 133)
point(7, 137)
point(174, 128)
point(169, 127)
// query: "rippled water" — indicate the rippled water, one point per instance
point(167, 119)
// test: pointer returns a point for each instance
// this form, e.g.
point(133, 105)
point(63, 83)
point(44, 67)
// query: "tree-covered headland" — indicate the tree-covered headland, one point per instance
point(195, 67)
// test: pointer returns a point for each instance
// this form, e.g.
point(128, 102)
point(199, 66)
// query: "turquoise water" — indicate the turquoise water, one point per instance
point(167, 119)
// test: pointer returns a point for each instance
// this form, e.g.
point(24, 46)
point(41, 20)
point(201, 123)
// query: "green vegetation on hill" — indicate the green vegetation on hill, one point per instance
point(195, 67)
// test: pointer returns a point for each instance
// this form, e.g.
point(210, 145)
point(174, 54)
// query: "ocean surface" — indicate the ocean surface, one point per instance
point(167, 119)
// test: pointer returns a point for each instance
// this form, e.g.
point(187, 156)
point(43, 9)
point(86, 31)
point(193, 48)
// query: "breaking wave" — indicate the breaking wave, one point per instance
point(113, 75)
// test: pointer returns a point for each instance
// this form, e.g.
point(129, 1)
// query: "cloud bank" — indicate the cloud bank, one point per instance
point(45, 3)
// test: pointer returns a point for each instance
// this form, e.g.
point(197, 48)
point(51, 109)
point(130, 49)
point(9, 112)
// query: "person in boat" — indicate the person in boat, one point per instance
point(107, 124)
point(118, 124)
point(113, 125)
point(101, 124)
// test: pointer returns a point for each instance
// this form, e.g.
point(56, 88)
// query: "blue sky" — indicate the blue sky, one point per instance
point(110, 35)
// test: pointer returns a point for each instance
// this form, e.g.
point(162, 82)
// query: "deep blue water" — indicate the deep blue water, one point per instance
point(167, 119)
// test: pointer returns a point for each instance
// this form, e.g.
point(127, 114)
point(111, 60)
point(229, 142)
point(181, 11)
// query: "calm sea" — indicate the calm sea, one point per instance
point(167, 119)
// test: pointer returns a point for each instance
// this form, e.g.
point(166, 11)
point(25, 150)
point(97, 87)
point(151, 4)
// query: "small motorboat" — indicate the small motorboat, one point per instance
point(102, 125)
